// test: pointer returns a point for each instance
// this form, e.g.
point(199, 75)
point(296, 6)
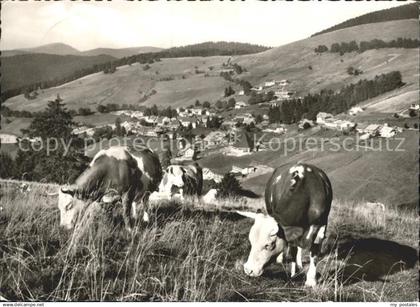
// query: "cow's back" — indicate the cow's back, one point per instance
point(301, 197)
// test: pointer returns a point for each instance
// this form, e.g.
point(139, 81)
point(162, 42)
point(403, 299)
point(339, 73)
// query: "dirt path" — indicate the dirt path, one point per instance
point(393, 57)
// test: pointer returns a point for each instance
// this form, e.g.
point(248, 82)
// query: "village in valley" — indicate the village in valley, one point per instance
point(241, 129)
point(235, 130)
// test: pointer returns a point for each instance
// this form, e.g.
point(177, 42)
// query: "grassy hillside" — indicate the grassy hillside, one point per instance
point(25, 69)
point(188, 253)
point(130, 83)
point(291, 62)
point(408, 11)
point(357, 172)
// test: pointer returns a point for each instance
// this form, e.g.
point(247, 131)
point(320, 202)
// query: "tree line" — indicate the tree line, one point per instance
point(408, 11)
point(293, 110)
point(352, 46)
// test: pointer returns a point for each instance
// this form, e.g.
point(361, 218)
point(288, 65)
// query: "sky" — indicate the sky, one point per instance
point(120, 24)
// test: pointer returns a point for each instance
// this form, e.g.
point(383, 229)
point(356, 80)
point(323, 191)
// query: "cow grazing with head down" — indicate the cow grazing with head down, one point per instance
point(114, 175)
point(182, 180)
point(298, 201)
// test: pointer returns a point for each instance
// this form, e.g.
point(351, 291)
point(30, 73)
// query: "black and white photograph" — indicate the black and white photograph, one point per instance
point(209, 151)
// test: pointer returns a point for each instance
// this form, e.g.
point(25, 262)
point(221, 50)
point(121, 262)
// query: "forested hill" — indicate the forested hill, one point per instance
point(212, 49)
point(407, 11)
point(32, 71)
point(22, 70)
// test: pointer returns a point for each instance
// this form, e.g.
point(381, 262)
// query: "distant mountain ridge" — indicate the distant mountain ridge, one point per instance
point(64, 49)
point(408, 11)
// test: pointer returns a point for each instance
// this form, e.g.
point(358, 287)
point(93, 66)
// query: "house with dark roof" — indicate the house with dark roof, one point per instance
point(243, 141)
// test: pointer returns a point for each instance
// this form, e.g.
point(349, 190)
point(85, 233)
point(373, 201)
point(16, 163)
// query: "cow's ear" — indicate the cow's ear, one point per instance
point(292, 233)
point(251, 215)
point(71, 191)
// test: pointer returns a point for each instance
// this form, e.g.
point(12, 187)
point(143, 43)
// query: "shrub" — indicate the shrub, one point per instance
point(229, 186)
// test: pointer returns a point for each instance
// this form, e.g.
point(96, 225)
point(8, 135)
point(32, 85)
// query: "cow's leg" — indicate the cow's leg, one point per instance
point(127, 207)
point(315, 250)
point(145, 206)
point(311, 274)
point(280, 258)
point(134, 210)
point(299, 258)
point(293, 253)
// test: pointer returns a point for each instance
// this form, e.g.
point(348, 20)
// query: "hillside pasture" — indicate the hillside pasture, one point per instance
point(181, 81)
point(188, 253)
point(129, 84)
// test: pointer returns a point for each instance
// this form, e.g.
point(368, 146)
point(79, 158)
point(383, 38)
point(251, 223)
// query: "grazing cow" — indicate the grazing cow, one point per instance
point(115, 174)
point(182, 180)
point(298, 201)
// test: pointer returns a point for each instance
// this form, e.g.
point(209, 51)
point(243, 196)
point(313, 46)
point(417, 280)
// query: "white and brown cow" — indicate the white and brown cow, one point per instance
point(182, 180)
point(115, 174)
point(298, 201)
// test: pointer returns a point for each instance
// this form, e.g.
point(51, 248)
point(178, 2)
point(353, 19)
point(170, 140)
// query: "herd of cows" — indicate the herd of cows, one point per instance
point(298, 202)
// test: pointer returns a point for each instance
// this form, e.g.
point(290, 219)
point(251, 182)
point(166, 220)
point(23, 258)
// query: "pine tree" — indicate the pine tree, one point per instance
point(61, 158)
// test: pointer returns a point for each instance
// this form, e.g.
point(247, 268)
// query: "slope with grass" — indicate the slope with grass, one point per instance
point(129, 84)
point(311, 72)
point(384, 170)
point(181, 81)
point(189, 254)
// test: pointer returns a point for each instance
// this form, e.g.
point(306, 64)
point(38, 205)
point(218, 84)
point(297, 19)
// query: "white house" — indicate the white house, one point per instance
point(8, 138)
point(414, 107)
point(355, 110)
point(387, 132)
point(269, 83)
point(240, 104)
point(196, 111)
point(186, 121)
point(241, 93)
point(322, 117)
point(283, 82)
point(283, 94)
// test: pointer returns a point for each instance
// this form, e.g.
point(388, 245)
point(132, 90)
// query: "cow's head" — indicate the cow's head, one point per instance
point(70, 206)
point(267, 241)
point(173, 177)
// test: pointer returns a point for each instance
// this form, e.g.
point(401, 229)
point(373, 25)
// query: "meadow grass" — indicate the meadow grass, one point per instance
point(192, 252)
